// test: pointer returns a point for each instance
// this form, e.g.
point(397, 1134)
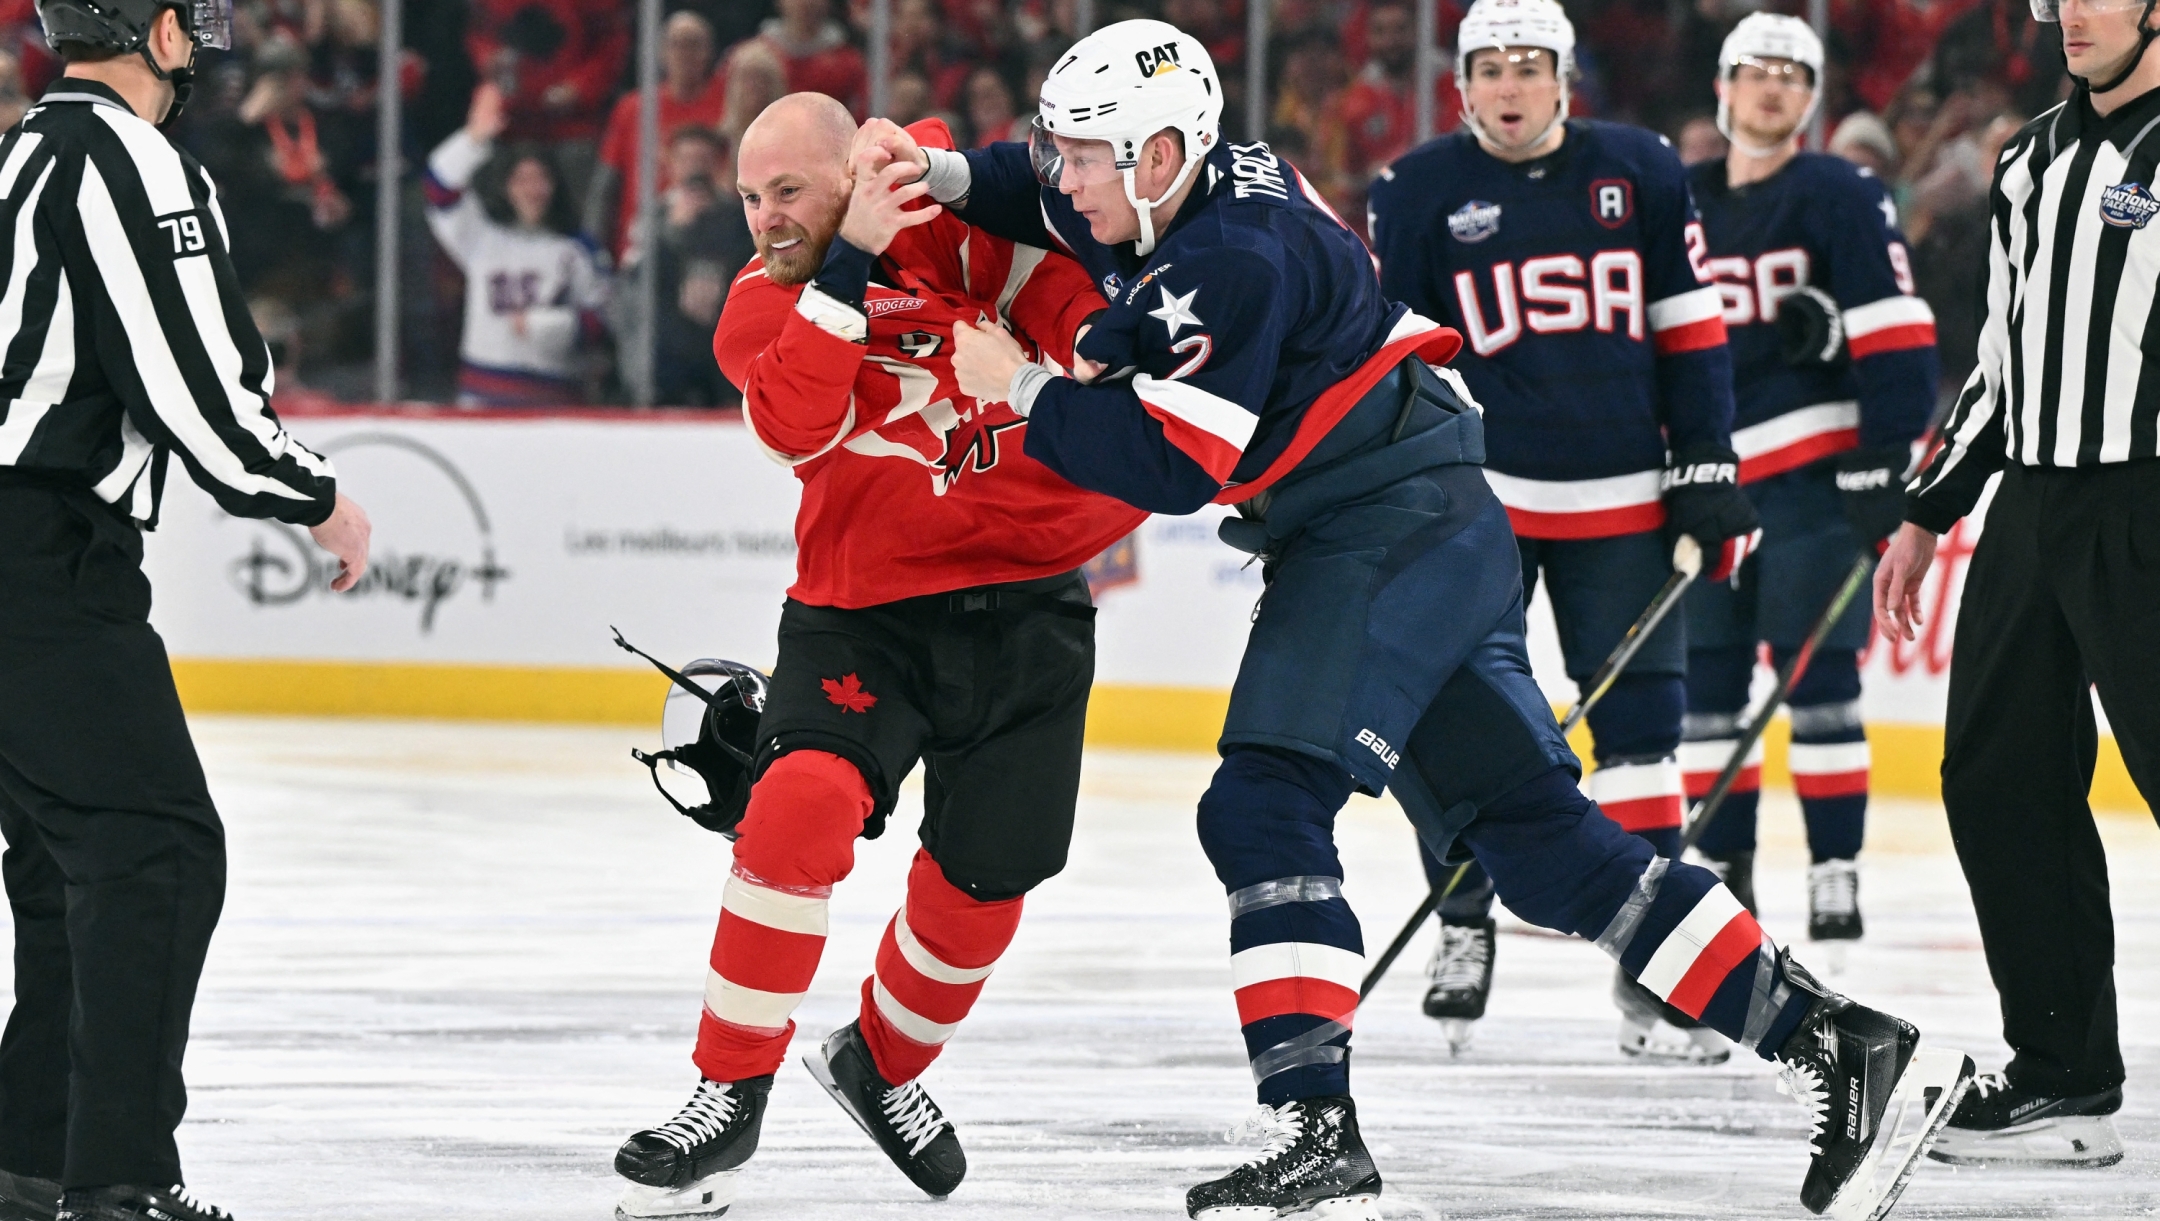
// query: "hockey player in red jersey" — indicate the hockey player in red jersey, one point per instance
point(937, 616)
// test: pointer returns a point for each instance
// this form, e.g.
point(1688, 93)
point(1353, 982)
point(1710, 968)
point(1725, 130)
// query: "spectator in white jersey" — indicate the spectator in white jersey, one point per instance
point(532, 289)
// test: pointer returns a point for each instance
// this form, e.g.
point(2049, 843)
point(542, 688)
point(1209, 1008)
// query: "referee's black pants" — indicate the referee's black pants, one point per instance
point(115, 864)
point(2064, 591)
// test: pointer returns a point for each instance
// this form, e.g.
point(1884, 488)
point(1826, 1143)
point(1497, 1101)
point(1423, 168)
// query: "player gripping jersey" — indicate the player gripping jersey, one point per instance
point(1248, 356)
point(1834, 376)
point(1568, 253)
point(936, 616)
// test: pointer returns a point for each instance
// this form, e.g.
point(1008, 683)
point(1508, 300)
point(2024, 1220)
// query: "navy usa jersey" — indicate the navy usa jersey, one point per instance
point(1249, 331)
point(1825, 223)
point(1595, 343)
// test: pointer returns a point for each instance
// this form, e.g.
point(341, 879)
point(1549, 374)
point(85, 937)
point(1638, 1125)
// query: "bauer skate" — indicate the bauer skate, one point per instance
point(1876, 1098)
point(23, 1198)
point(1314, 1165)
point(900, 1118)
point(2000, 1125)
point(132, 1203)
point(1461, 974)
point(684, 1169)
point(1656, 1033)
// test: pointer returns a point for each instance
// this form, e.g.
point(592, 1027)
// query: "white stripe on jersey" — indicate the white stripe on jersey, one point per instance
point(1575, 495)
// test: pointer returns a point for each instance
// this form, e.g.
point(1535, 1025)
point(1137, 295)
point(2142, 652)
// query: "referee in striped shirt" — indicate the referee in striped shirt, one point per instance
point(2064, 589)
point(123, 341)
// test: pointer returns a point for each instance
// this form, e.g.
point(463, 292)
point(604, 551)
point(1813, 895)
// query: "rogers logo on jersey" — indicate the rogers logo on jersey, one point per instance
point(2128, 205)
point(878, 307)
point(1474, 221)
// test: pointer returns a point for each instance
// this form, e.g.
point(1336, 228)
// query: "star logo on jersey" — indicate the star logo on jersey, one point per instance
point(1176, 311)
point(1474, 221)
point(2128, 205)
point(847, 692)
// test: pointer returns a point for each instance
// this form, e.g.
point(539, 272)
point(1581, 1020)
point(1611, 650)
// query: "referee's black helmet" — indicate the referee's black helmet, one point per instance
point(124, 25)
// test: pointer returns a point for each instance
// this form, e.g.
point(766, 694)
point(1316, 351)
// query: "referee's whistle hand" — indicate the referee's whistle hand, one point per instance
point(1904, 566)
point(345, 535)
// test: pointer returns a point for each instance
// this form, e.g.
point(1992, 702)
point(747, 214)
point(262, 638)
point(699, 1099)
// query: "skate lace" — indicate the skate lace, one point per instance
point(1833, 889)
point(705, 1116)
point(1803, 1083)
point(913, 1116)
point(1989, 1083)
point(191, 1200)
point(1280, 1127)
point(1460, 962)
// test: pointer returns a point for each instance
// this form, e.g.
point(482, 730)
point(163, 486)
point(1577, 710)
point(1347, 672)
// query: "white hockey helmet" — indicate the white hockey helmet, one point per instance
point(1496, 25)
point(1761, 36)
point(1124, 83)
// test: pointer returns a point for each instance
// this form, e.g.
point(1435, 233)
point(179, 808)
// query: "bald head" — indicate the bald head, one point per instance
point(791, 168)
point(809, 130)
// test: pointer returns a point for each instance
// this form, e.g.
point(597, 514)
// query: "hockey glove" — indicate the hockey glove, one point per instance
point(1703, 500)
point(1811, 329)
point(1874, 492)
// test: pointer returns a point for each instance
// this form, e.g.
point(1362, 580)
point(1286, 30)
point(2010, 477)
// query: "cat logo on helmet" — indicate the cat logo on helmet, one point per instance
point(1154, 61)
point(709, 727)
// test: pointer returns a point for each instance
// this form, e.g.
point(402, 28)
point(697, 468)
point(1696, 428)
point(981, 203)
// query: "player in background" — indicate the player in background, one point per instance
point(1567, 251)
point(1248, 357)
point(937, 616)
point(1833, 379)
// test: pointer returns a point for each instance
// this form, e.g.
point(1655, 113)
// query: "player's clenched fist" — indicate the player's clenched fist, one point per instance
point(878, 209)
point(984, 360)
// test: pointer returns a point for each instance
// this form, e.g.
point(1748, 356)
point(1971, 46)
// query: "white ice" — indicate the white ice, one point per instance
point(460, 963)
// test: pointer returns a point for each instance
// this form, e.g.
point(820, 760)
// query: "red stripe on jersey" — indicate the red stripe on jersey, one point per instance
point(1735, 943)
point(1594, 523)
point(1215, 455)
point(1645, 813)
point(1798, 454)
point(1698, 783)
point(1690, 336)
point(1831, 784)
point(1893, 339)
point(1295, 994)
point(755, 956)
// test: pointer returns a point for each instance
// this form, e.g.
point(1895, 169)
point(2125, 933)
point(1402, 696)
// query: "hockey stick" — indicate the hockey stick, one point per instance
point(1707, 808)
point(1433, 900)
point(1687, 562)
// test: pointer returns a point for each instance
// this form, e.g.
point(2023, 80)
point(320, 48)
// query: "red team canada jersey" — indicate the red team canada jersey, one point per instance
point(909, 486)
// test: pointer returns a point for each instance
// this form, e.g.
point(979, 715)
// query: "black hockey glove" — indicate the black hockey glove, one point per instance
point(1872, 481)
point(1703, 500)
point(1811, 329)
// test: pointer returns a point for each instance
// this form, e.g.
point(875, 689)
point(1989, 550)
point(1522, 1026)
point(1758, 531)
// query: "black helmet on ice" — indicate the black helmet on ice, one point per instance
point(708, 726)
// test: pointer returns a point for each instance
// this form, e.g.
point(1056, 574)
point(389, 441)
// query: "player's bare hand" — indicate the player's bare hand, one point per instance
point(1898, 576)
point(1083, 369)
point(345, 535)
point(878, 208)
point(984, 360)
point(894, 139)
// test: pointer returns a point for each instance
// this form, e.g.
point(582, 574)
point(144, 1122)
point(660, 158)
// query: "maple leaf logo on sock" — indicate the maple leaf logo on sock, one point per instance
point(848, 693)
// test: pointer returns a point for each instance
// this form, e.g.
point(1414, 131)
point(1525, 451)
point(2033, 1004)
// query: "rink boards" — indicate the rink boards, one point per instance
point(507, 543)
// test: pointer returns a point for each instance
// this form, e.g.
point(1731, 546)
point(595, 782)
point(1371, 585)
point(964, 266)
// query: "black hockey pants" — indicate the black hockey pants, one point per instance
point(2064, 591)
point(115, 864)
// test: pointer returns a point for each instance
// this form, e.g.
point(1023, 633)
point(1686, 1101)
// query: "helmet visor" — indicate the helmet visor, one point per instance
point(2051, 10)
point(212, 23)
point(1082, 163)
point(1044, 156)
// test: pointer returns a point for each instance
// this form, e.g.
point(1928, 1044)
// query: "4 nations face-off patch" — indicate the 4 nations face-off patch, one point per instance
point(2128, 205)
point(1474, 221)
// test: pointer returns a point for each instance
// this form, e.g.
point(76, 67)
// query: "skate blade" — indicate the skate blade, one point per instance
point(2085, 1141)
point(1668, 1046)
point(1458, 1032)
point(1927, 1093)
point(1364, 1206)
point(710, 1196)
point(822, 1073)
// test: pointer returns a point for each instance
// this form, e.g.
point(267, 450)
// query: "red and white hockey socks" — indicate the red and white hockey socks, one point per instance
point(938, 949)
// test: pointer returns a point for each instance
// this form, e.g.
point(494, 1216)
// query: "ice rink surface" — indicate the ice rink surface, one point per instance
point(460, 963)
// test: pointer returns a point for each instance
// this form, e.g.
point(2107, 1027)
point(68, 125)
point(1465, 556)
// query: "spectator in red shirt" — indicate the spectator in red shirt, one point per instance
point(992, 114)
point(1890, 39)
point(691, 94)
point(918, 46)
point(560, 65)
point(1374, 120)
point(814, 50)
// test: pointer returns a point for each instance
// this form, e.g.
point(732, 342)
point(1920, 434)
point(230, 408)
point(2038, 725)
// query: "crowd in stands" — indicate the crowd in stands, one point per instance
point(1923, 91)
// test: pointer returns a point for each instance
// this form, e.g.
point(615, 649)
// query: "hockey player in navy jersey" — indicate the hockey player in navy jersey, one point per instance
point(1247, 356)
point(1567, 251)
point(1834, 376)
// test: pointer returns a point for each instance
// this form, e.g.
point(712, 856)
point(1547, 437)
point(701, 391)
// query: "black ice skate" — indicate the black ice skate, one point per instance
point(1999, 1124)
point(1737, 871)
point(684, 1169)
point(900, 1118)
point(129, 1203)
point(1656, 1033)
point(1833, 890)
point(1876, 1098)
point(1314, 1166)
point(23, 1198)
point(1461, 974)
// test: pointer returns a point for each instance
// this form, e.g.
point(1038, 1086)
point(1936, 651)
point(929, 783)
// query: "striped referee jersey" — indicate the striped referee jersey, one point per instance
point(2067, 375)
point(125, 334)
